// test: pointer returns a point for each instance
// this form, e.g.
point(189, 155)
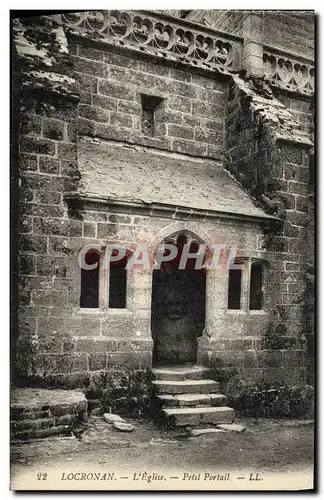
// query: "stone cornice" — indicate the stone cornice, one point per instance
point(166, 210)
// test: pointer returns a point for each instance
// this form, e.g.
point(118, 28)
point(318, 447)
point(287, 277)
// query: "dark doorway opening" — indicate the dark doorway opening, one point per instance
point(178, 312)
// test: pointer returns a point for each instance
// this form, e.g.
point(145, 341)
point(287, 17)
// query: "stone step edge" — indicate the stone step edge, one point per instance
point(194, 373)
point(210, 399)
point(168, 387)
point(179, 417)
point(184, 382)
point(187, 411)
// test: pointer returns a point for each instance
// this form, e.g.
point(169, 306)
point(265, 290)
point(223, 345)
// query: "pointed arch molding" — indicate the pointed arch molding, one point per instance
point(192, 229)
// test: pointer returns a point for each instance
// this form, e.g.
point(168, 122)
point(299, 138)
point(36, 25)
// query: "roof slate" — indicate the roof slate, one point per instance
point(134, 174)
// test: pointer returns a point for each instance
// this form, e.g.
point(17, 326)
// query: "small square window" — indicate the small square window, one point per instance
point(149, 106)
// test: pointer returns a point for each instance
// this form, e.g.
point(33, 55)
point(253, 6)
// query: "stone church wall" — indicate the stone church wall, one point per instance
point(200, 115)
point(189, 119)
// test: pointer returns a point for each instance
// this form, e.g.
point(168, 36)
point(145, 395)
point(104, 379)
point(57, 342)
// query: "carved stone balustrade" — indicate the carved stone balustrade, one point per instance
point(181, 40)
point(162, 36)
point(287, 70)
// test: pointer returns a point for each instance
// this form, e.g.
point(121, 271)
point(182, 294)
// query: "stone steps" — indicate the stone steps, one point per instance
point(183, 400)
point(185, 396)
point(181, 373)
point(41, 413)
point(196, 416)
point(185, 386)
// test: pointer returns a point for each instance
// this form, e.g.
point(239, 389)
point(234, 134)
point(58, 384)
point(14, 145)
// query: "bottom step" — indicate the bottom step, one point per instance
point(196, 416)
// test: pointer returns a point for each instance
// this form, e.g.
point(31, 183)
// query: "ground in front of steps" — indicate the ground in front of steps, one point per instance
point(265, 447)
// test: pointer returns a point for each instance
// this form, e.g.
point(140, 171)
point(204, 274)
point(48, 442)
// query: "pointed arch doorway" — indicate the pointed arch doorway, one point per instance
point(178, 307)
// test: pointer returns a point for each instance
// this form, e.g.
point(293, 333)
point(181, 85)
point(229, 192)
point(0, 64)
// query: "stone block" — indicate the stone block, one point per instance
point(37, 145)
point(192, 400)
point(194, 416)
point(204, 432)
point(49, 298)
point(118, 326)
point(274, 375)
point(189, 147)
point(129, 107)
point(89, 229)
point(123, 426)
point(232, 428)
point(290, 230)
point(68, 381)
point(296, 187)
point(208, 136)
point(185, 386)
point(116, 91)
point(50, 344)
point(120, 360)
point(33, 243)
point(119, 60)
point(121, 120)
point(89, 67)
point(45, 422)
point(90, 53)
point(23, 425)
point(96, 345)
point(52, 266)
point(30, 125)
point(87, 83)
point(64, 420)
point(51, 431)
point(292, 154)
point(111, 418)
point(180, 132)
point(250, 359)
point(97, 361)
point(53, 129)
point(302, 204)
point(68, 345)
point(134, 345)
point(28, 162)
point(66, 151)
point(27, 264)
point(86, 127)
point(55, 226)
point(83, 326)
point(178, 103)
point(292, 358)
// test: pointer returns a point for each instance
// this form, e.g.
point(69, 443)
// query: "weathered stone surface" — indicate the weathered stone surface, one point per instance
point(231, 428)
point(213, 188)
point(111, 418)
point(203, 432)
point(123, 426)
point(185, 386)
point(40, 413)
point(218, 399)
point(192, 399)
point(180, 373)
point(168, 400)
point(194, 416)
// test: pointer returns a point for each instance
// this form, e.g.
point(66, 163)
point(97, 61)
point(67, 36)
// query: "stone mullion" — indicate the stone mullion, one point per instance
point(216, 299)
point(141, 300)
point(245, 286)
point(103, 282)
